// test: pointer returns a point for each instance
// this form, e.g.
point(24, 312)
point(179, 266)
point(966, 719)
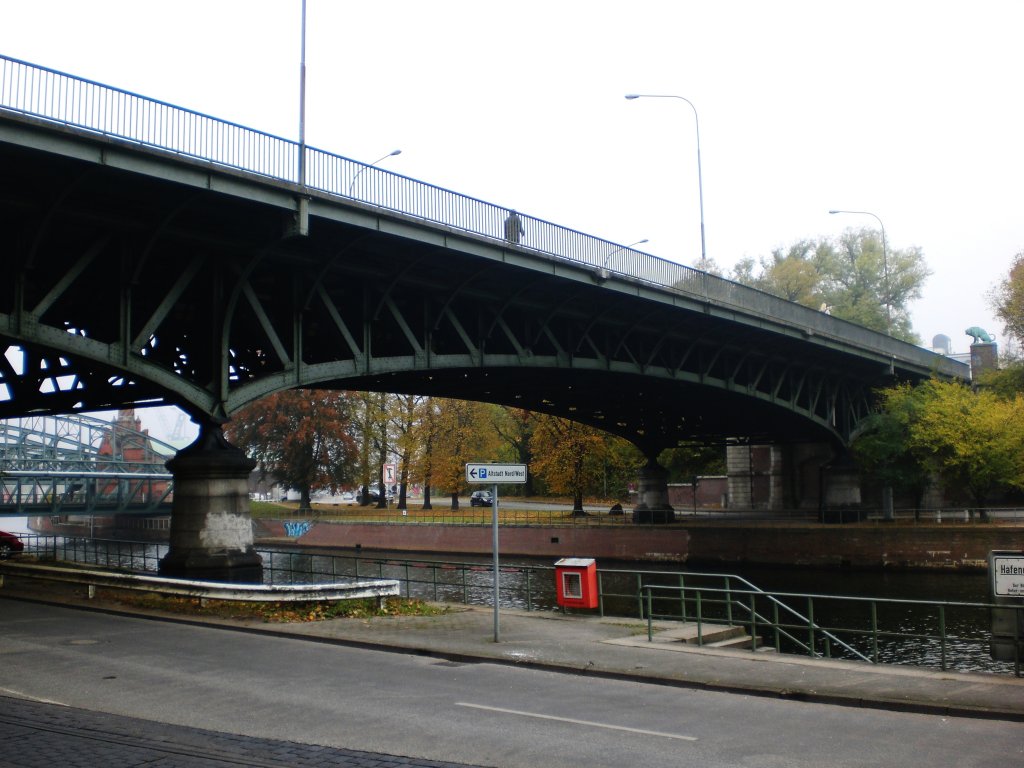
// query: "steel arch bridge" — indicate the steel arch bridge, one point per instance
point(81, 465)
point(159, 256)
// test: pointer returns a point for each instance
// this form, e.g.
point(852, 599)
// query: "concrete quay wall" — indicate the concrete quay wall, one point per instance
point(877, 546)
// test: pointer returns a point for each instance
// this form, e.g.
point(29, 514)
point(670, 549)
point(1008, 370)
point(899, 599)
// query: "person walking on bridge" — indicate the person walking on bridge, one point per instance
point(514, 227)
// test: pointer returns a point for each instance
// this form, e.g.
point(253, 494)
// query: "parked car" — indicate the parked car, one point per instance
point(9, 545)
point(481, 499)
point(373, 497)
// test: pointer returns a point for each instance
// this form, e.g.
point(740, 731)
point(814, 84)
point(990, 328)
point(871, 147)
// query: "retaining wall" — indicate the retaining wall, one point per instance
point(929, 546)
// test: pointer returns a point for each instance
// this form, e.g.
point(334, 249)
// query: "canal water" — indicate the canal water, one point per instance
point(904, 610)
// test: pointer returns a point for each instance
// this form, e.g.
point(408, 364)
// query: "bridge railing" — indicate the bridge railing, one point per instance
point(61, 98)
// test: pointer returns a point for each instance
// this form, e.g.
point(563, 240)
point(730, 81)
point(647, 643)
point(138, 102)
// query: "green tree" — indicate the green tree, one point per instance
point(789, 274)
point(302, 437)
point(974, 439)
point(688, 460)
point(853, 275)
point(882, 446)
point(867, 285)
point(1007, 299)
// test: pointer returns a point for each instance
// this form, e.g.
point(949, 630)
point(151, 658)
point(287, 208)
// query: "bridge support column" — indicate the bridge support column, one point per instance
point(653, 506)
point(211, 526)
point(841, 491)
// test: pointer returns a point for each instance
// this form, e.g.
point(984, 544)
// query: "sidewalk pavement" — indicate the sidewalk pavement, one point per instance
point(619, 648)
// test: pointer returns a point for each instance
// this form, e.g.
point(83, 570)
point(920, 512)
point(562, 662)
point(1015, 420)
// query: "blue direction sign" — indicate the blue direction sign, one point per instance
point(495, 473)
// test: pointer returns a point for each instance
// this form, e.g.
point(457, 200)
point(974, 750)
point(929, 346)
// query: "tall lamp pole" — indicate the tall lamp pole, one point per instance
point(302, 102)
point(885, 264)
point(700, 178)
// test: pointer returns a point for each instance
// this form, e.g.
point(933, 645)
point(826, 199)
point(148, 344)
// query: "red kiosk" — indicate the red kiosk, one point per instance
point(576, 582)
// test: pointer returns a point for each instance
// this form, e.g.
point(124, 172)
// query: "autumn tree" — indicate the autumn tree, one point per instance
point(568, 455)
point(465, 434)
point(302, 437)
point(408, 419)
point(428, 437)
point(514, 427)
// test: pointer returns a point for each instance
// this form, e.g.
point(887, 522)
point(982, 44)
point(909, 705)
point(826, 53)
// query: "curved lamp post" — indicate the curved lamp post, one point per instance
point(885, 264)
point(603, 272)
point(700, 177)
point(360, 171)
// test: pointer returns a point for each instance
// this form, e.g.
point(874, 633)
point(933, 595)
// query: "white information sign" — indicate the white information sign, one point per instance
point(495, 473)
point(1008, 576)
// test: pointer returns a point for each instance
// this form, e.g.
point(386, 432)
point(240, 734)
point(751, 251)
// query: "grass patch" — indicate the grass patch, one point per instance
point(273, 612)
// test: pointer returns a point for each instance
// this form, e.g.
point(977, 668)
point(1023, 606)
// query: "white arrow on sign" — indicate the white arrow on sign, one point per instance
point(495, 473)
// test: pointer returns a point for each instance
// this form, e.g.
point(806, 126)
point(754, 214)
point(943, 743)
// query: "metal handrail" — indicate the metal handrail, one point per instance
point(755, 616)
point(56, 97)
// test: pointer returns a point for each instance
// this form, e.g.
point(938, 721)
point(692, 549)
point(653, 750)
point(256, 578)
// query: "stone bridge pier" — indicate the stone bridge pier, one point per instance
point(652, 505)
point(211, 525)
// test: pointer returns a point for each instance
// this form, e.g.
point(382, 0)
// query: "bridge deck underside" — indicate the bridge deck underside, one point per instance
point(144, 288)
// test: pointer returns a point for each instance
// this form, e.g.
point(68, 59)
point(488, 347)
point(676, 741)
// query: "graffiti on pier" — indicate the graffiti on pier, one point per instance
point(297, 528)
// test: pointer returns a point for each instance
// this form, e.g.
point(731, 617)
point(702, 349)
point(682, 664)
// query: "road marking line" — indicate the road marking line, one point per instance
point(576, 722)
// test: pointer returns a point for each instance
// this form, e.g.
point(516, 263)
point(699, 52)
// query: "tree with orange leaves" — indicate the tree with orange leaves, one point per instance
point(302, 437)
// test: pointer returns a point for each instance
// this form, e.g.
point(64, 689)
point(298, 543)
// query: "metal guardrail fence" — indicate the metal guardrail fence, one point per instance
point(113, 113)
point(944, 634)
point(595, 517)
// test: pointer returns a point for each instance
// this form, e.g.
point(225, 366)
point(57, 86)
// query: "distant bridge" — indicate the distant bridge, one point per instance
point(81, 465)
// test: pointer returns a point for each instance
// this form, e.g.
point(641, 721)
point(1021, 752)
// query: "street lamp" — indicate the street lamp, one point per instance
point(885, 264)
point(302, 103)
point(700, 179)
point(360, 171)
point(604, 267)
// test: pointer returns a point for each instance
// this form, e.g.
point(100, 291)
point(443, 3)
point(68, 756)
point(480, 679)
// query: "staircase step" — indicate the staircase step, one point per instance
point(710, 636)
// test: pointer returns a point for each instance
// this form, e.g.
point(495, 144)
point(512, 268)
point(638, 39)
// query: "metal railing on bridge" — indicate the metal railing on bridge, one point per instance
point(116, 114)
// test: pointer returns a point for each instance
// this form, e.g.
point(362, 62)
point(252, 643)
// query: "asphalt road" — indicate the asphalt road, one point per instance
point(480, 714)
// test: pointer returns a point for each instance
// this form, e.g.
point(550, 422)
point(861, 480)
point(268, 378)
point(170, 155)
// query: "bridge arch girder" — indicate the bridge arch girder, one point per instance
point(224, 303)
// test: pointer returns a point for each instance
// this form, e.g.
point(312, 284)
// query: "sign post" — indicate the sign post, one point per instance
point(1006, 586)
point(493, 474)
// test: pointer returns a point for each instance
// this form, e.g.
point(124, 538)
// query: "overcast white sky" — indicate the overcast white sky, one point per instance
point(910, 110)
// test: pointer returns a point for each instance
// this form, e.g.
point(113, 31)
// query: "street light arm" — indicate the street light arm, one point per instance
point(885, 262)
point(360, 171)
point(700, 174)
point(620, 248)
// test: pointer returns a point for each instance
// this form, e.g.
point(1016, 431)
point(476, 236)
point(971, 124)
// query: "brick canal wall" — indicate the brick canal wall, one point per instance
point(626, 543)
point(933, 546)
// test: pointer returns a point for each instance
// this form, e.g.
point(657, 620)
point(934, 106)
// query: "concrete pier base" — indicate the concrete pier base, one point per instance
point(653, 506)
point(211, 526)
